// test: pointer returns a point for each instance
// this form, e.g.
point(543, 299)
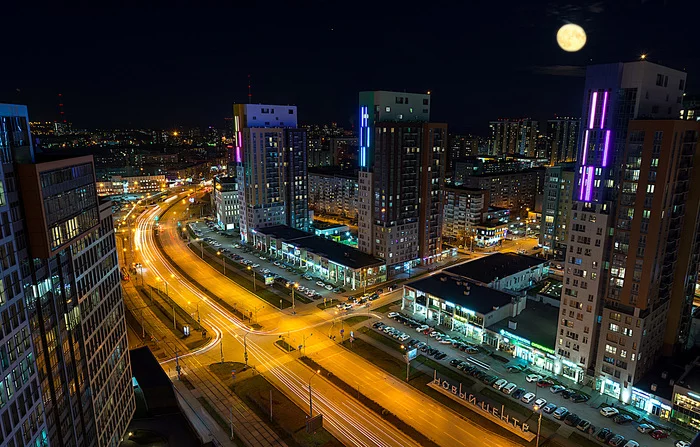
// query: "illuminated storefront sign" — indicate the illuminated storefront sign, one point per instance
point(522, 340)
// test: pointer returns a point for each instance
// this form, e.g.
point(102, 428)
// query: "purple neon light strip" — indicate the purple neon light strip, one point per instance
point(605, 150)
point(605, 105)
point(583, 184)
point(585, 147)
point(239, 143)
point(591, 112)
point(589, 184)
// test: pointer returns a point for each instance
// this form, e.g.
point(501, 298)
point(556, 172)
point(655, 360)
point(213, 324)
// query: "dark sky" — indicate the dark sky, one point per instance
point(482, 60)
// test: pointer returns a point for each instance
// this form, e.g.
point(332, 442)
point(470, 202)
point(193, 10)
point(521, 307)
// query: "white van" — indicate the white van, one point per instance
point(509, 388)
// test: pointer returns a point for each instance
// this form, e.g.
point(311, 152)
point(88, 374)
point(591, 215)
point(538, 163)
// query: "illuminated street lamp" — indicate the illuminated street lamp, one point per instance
point(311, 404)
point(538, 409)
point(218, 253)
point(293, 287)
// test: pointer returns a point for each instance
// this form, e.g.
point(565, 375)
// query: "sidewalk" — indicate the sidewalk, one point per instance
point(247, 425)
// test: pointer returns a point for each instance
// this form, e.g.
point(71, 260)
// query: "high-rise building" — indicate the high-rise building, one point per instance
point(556, 209)
point(270, 155)
point(333, 191)
point(519, 191)
point(691, 108)
point(653, 259)
point(402, 169)
point(461, 146)
point(73, 304)
point(514, 136)
point(463, 210)
point(562, 136)
point(613, 95)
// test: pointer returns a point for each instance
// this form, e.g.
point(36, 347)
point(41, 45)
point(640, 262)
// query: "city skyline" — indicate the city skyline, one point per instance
point(168, 72)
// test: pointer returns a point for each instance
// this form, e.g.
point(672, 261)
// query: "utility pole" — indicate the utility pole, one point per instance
point(311, 403)
point(177, 364)
point(221, 348)
point(245, 348)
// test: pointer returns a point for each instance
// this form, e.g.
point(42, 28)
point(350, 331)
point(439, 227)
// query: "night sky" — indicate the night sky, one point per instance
point(149, 67)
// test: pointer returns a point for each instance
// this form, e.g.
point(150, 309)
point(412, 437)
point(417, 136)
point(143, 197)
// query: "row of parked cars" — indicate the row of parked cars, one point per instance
point(410, 343)
point(438, 336)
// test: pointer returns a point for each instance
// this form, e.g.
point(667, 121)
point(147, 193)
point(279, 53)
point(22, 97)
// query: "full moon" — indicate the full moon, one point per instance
point(571, 37)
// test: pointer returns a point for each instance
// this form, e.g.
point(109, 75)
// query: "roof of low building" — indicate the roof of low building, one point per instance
point(338, 253)
point(480, 299)
point(498, 265)
point(536, 323)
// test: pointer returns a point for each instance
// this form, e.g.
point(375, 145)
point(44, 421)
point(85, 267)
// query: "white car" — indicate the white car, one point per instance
point(529, 397)
point(391, 314)
point(645, 428)
point(682, 444)
point(509, 388)
point(328, 287)
point(631, 443)
point(320, 283)
point(609, 411)
point(422, 327)
point(539, 403)
point(533, 377)
point(500, 383)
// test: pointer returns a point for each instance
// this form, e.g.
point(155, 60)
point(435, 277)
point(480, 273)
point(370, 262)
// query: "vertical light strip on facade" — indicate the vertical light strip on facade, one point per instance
point(605, 105)
point(605, 149)
point(583, 182)
point(589, 183)
point(364, 131)
point(591, 112)
point(585, 147)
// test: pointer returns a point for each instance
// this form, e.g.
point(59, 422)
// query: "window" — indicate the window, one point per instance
point(659, 79)
point(425, 102)
point(681, 84)
point(614, 327)
point(388, 109)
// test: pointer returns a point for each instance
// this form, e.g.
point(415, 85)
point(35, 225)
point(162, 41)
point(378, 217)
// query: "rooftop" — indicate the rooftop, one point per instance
point(495, 266)
point(338, 253)
point(480, 299)
point(319, 225)
point(536, 323)
point(681, 369)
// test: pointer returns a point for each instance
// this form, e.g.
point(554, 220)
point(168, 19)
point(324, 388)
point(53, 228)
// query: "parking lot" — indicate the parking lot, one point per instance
point(304, 284)
point(558, 403)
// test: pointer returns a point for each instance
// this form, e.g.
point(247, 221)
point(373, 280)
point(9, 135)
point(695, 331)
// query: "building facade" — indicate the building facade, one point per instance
point(268, 152)
point(562, 137)
point(653, 260)
point(556, 209)
point(402, 169)
point(517, 191)
point(463, 210)
point(333, 192)
point(613, 95)
point(225, 203)
point(513, 136)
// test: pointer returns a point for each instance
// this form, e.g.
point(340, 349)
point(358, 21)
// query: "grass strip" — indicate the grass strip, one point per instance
point(356, 319)
point(387, 307)
point(372, 405)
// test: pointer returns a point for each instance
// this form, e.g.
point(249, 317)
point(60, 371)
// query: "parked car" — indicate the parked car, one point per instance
point(508, 389)
point(453, 362)
point(622, 419)
point(516, 368)
point(539, 403)
point(489, 380)
point(609, 412)
point(549, 408)
point(527, 398)
point(631, 443)
point(565, 394)
point(578, 398)
point(645, 428)
point(544, 383)
point(500, 383)
point(604, 435)
point(681, 444)
point(616, 441)
point(658, 434)
point(533, 378)
point(557, 389)
point(422, 327)
point(517, 394)
point(560, 413)
point(572, 419)
point(391, 314)
point(583, 425)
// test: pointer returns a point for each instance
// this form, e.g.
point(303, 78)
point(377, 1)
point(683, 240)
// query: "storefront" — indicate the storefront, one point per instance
point(686, 408)
point(650, 404)
point(572, 371)
point(533, 353)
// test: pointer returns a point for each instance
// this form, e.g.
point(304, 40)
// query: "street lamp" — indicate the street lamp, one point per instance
point(218, 253)
point(255, 288)
point(408, 361)
point(538, 409)
point(311, 404)
point(293, 287)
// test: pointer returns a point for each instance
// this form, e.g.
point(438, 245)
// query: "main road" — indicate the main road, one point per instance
point(346, 418)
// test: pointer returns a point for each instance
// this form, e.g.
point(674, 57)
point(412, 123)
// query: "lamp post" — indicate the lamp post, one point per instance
point(218, 253)
point(304, 337)
point(538, 409)
point(245, 348)
point(255, 311)
point(311, 404)
point(408, 362)
point(253, 272)
point(293, 287)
